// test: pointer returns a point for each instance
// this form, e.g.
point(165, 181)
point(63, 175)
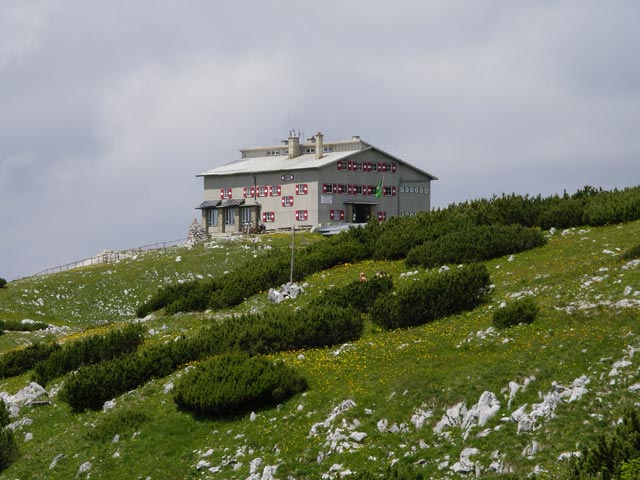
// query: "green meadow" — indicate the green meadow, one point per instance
point(371, 403)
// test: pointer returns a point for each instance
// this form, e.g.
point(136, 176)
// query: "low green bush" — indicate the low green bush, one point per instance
point(233, 384)
point(8, 448)
point(475, 243)
point(5, 417)
point(605, 457)
point(15, 326)
point(16, 362)
point(438, 295)
point(3, 282)
point(357, 294)
point(524, 310)
point(399, 471)
point(272, 331)
point(117, 422)
point(632, 253)
point(93, 349)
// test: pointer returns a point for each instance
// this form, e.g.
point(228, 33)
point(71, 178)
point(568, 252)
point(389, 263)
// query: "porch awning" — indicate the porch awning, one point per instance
point(232, 202)
point(209, 204)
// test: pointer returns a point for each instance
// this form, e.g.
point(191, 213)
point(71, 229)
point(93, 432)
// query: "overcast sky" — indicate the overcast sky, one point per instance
point(108, 109)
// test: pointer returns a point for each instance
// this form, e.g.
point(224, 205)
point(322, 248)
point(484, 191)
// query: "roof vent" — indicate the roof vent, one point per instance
point(356, 138)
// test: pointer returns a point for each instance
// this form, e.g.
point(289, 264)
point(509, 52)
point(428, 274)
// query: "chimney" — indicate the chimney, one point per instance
point(294, 145)
point(319, 146)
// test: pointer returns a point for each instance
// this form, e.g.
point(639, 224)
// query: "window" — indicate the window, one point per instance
point(310, 150)
point(248, 192)
point(343, 165)
point(336, 214)
point(263, 191)
point(358, 189)
point(225, 193)
point(287, 201)
point(373, 167)
point(329, 188)
point(389, 191)
point(245, 215)
point(274, 190)
point(382, 216)
point(302, 189)
point(213, 217)
point(371, 189)
point(302, 215)
point(327, 149)
point(230, 216)
point(343, 189)
point(358, 166)
point(268, 217)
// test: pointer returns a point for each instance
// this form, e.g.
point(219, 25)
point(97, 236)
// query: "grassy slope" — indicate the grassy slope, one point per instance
point(388, 374)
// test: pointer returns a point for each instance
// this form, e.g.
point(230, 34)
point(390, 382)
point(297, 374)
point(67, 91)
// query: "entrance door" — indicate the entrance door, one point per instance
point(361, 213)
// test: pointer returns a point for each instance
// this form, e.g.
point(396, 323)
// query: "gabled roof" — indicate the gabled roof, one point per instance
point(279, 163)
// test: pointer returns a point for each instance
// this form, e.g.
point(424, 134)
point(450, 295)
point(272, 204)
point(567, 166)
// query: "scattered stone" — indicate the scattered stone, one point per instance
point(419, 417)
point(480, 413)
point(358, 436)
point(202, 464)
point(197, 233)
point(452, 417)
point(109, 405)
point(28, 437)
point(168, 387)
point(84, 468)
point(55, 461)
point(568, 455)
point(530, 450)
point(465, 465)
point(382, 425)
point(116, 438)
point(286, 290)
point(252, 417)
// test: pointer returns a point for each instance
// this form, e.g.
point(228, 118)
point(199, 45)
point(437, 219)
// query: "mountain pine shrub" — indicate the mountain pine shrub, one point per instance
point(523, 310)
point(16, 326)
point(475, 243)
point(632, 253)
point(118, 422)
point(8, 445)
point(16, 362)
point(357, 294)
point(3, 282)
point(272, 331)
point(604, 459)
point(93, 349)
point(233, 384)
point(436, 296)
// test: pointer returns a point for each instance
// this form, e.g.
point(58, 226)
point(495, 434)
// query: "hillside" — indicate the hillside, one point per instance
point(539, 392)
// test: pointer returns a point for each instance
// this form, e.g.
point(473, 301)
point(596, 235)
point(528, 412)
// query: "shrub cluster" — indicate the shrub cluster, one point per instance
point(16, 362)
point(360, 295)
point(272, 331)
point(94, 349)
point(3, 282)
point(475, 243)
point(14, 325)
point(395, 238)
point(524, 310)
point(117, 422)
point(8, 445)
point(398, 471)
point(632, 253)
point(437, 295)
point(606, 457)
point(233, 384)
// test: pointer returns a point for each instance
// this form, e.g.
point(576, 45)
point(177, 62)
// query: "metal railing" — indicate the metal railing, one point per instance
point(107, 256)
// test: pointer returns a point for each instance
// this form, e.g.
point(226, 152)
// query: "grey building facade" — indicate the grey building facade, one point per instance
point(311, 184)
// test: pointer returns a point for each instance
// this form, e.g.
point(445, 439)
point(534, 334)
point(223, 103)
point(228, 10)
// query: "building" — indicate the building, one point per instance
point(311, 184)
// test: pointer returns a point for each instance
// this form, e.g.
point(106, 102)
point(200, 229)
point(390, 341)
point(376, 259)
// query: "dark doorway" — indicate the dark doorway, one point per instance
point(361, 213)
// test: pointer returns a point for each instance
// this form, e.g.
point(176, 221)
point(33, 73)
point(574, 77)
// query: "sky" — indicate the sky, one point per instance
point(109, 110)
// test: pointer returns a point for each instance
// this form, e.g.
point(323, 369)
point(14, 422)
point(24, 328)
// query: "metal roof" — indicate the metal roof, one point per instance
point(279, 163)
point(232, 202)
point(209, 204)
